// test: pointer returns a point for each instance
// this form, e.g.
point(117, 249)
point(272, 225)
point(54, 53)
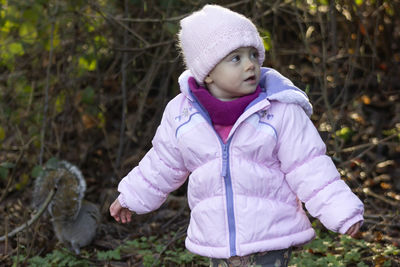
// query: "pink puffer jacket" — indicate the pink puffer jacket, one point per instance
point(245, 196)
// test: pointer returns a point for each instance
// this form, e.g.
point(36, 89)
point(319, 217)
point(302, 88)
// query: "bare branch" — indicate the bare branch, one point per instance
point(33, 219)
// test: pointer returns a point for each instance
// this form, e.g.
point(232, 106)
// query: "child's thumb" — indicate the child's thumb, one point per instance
point(115, 208)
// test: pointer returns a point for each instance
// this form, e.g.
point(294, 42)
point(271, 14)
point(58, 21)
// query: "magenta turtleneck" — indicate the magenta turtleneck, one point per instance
point(223, 114)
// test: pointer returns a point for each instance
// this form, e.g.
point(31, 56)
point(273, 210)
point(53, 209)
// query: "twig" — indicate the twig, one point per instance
point(135, 49)
point(46, 90)
point(369, 147)
point(380, 216)
point(33, 219)
point(123, 89)
point(273, 8)
point(5, 76)
point(18, 250)
point(324, 84)
point(3, 195)
point(146, 83)
point(343, 94)
point(333, 37)
point(178, 235)
point(368, 192)
point(306, 44)
point(6, 234)
point(179, 213)
point(145, 20)
point(171, 19)
point(322, 80)
point(10, 179)
point(109, 17)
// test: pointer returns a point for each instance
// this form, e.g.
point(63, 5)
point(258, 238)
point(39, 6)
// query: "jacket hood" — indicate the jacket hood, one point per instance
point(277, 87)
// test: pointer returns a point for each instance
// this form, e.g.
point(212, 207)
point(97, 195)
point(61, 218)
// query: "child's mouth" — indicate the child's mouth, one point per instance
point(251, 79)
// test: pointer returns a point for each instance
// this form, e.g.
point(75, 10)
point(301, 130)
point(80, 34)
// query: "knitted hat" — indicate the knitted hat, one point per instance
point(210, 34)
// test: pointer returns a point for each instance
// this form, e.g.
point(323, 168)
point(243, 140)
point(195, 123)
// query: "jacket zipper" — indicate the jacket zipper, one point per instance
point(225, 173)
point(229, 196)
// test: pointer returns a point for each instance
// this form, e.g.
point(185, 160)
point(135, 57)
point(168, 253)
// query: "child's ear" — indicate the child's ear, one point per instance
point(208, 80)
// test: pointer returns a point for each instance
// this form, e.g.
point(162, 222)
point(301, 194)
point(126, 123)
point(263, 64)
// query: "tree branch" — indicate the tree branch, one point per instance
point(33, 219)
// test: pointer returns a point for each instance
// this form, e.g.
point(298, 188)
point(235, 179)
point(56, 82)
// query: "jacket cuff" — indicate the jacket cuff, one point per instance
point(121, 200)
point(346, 226)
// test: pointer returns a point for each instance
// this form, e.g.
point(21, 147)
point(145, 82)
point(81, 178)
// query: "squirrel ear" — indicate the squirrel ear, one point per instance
point(208, 79)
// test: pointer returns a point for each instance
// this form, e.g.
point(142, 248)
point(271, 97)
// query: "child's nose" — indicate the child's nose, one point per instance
point(249, 64)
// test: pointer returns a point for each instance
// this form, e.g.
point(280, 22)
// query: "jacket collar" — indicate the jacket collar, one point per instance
point(275, 85)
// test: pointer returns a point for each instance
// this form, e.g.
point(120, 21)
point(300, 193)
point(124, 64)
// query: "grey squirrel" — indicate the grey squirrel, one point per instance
point(74, 220)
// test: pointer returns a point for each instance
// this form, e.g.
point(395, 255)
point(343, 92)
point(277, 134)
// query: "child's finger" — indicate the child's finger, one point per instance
point(115, 210)
point(122, 216)
point(116, 216)
point(129, 216)
point(125, 216)
point(356, 229)
point(350, 230)
point(353, 230)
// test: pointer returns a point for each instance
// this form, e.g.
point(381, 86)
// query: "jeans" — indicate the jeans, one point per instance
point(275, 258)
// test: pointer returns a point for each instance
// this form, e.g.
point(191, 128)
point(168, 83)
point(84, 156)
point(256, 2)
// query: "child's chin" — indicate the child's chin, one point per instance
point(251, 90)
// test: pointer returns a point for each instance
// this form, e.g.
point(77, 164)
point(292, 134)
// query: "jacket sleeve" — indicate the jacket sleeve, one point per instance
point(160, 172)
point(312, 175)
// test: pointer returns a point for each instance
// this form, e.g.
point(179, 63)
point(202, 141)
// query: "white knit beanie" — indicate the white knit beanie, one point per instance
point(210, 34)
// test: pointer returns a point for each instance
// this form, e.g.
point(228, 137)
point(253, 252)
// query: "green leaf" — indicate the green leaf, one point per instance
point(52, 163)
point(36, 171)
point(3, 172)
point(16, 49)
point(102, 119)
point(172, 28)
point(87, 64)
point(391, 250)
point(91, 28)
point(7, 165)
point(345, 133)
point(2, 13)
point(58, 258)
point(389, 9)
point(7, 26)
point(47, 38)
point(28, 33)
point(267, 40)
point(100, 40)
point(109, 255)
point(32, 15)
point(60, 101)
point(88, 95)
point(359, 2)
point(23, 181)
point(353, 255)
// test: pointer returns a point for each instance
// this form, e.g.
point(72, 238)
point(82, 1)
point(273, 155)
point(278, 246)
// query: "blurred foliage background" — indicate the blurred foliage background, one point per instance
point(87, 81)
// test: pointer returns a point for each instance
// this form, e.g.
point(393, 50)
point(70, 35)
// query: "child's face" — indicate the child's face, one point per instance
point(236, 75)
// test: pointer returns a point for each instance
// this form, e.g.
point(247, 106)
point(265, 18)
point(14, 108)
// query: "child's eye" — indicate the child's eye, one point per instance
point(235, 58)
point(254, 55)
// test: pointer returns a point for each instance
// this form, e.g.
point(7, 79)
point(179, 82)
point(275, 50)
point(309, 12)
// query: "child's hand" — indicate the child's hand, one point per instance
point(119, 213)
point(353, 230)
